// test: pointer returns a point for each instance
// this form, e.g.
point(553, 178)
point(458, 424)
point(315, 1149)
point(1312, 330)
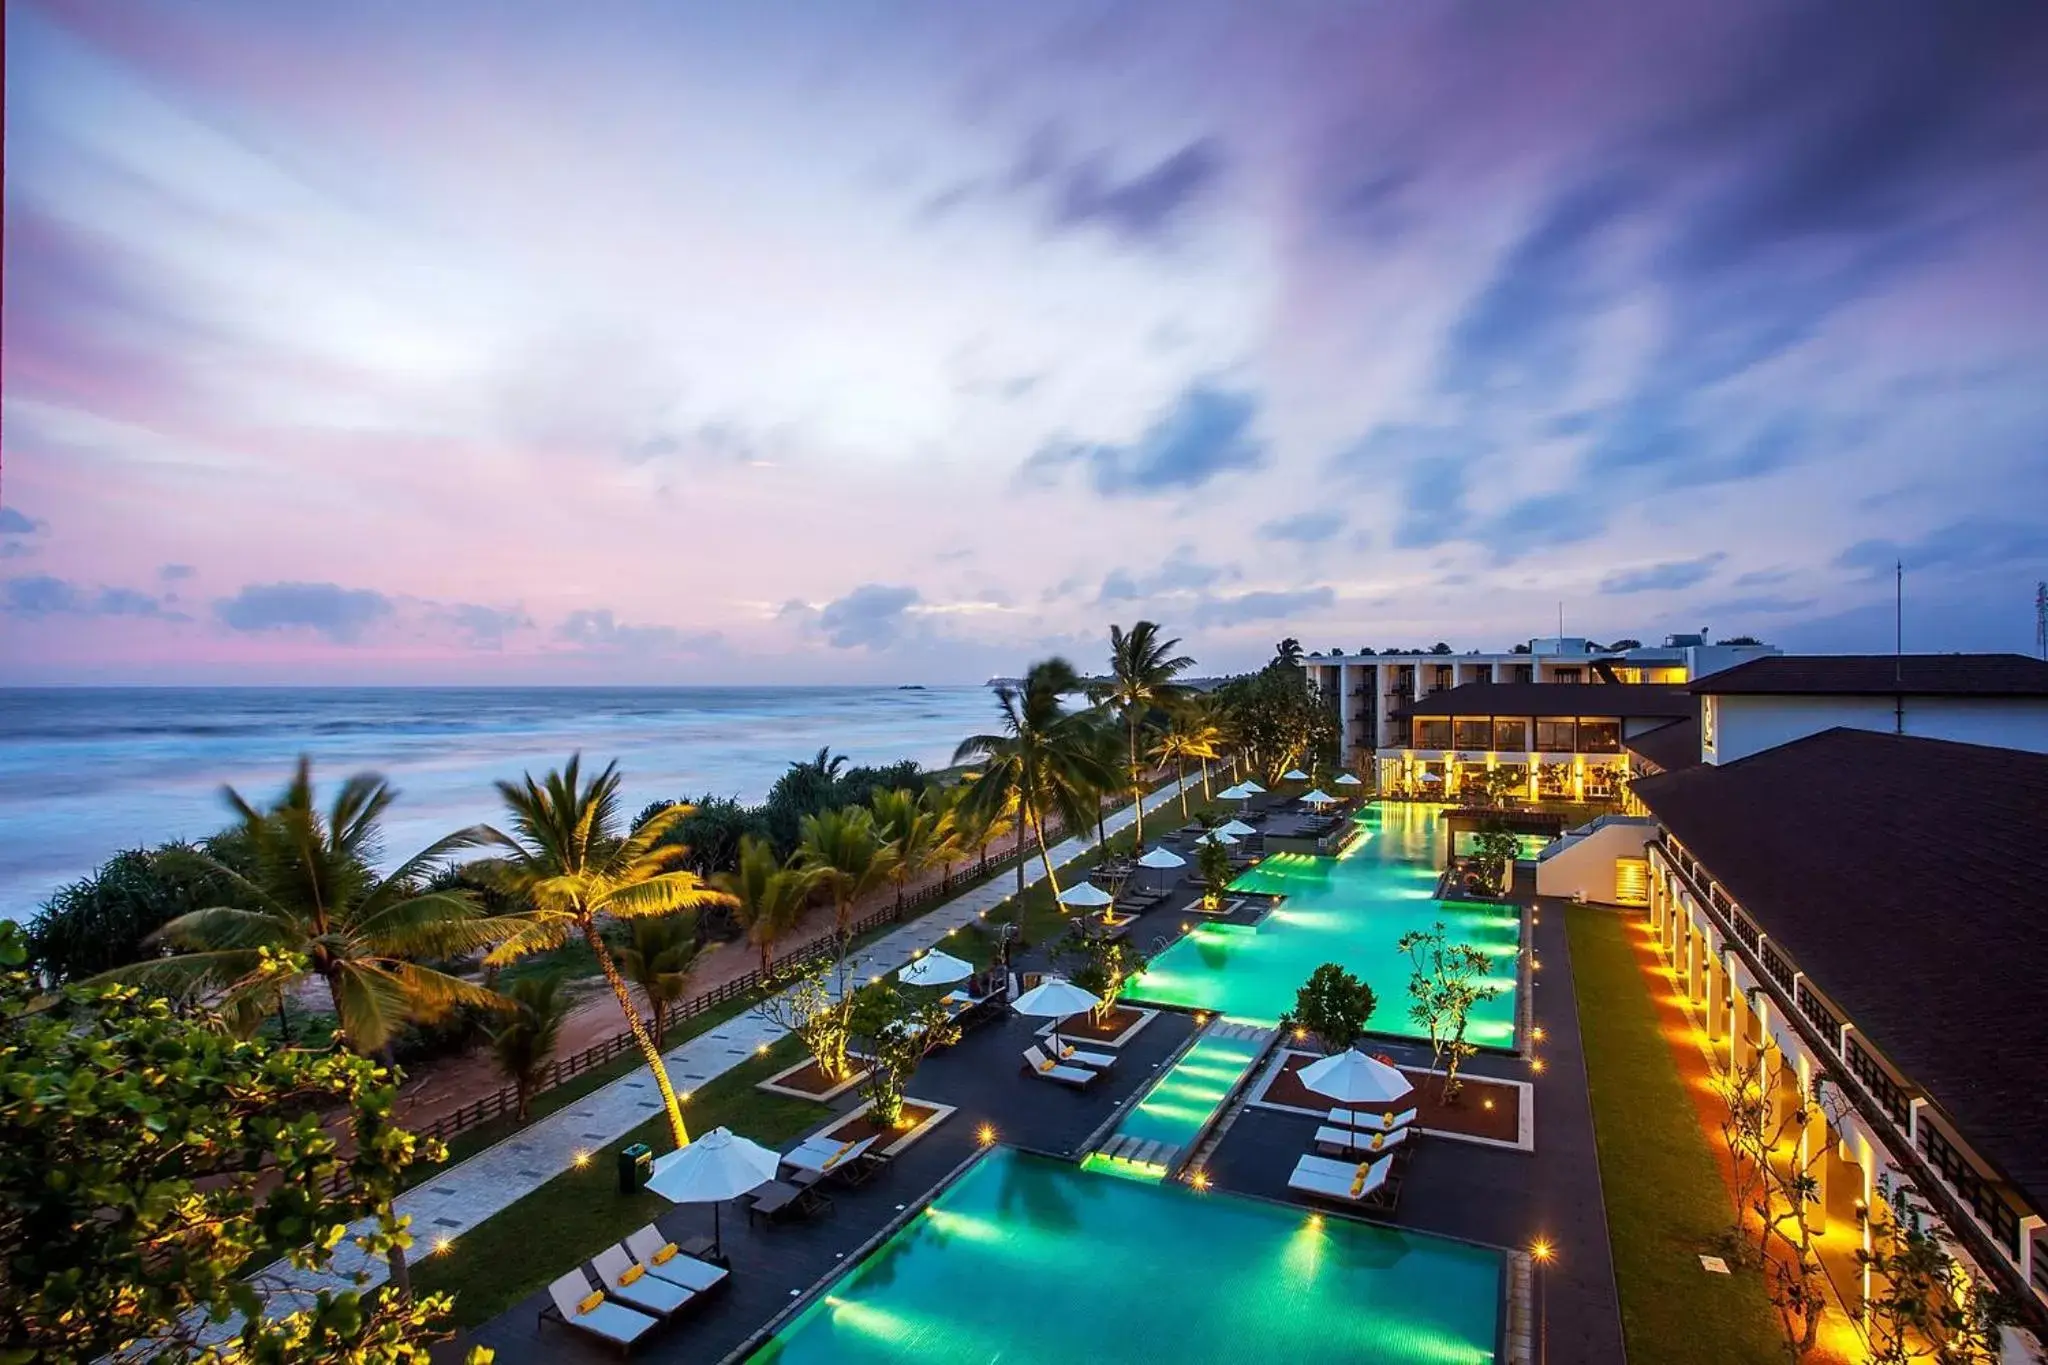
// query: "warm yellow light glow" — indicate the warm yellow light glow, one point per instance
point(986, 1135)
point(1537, 1033)
point(442, 1244)
point(1541, 1251)
point(1489, 1104)
point(683, 1097)
point(1201, 1018)
point(1300, 1034)
point(1200, 1180)
point(1536, 1065)
point(763, 1049)
point(581, 1159)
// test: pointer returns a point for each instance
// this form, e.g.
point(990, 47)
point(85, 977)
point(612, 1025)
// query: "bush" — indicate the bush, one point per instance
point(1334, 1005)
point(101, 922)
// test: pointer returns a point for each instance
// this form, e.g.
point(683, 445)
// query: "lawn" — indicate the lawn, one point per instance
point(1666, 1201)
point(580, 1212)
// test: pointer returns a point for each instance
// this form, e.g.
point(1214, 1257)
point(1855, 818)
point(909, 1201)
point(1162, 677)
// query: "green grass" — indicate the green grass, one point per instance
point(1666, 1202)
point(580, 1212)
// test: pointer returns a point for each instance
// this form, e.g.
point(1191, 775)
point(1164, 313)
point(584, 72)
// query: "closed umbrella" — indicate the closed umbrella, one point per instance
point(936, 969)
point(1055, 998)
point(716, 1167)
point(1351, 1077)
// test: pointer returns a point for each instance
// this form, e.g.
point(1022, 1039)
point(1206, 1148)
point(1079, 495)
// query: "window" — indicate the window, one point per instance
point(1474, 734)
point(1599, 736)
point(1432, 734)
point(1555, 736)
point(1631, 881)
point(1510, 734)
point(1565, 675)
point(1440, 676)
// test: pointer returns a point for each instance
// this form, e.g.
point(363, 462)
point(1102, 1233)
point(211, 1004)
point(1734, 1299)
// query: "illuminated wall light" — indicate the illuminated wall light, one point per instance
point(1541, 1251)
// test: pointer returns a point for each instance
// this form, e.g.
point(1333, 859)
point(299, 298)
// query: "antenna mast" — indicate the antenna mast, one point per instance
point(1898, 620)
point(2041, 617)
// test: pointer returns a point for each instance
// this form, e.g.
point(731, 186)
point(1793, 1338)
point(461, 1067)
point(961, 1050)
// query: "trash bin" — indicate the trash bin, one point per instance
point(636, 1166)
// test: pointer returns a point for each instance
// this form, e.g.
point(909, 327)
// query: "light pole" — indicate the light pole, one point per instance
point(1541, 1253)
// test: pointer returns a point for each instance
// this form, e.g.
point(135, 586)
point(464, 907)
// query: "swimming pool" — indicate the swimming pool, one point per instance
point(1349, 910)
point(1179, 1105)
point(1029, 1259)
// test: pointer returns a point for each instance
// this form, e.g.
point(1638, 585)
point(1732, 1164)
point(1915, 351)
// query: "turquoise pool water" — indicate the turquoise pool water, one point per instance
point(1027, 1259)
point(1181, 1101)
point(1349, 910)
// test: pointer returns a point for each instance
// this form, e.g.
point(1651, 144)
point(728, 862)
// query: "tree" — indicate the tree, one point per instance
point(1275, 722)
point(311, 896)
point(657, 957)
point(1288, 653)
point(1448, 980)
point(1185, 737)
point(1042, 762)
point(575, 869)
point(916, 834)
point(1623, 646)
point(895, 1030)
point(150, 1155)
point(1102, 967)
point(1142, 669)
point(109, 919)
point(813, 1001)
point(770, 896)
point(1439, 648)
point(844, 850)
point(1927, 1305)
point(1333, 1005)
point(1212, 864)
point(1495, 850)
point(523, 1042)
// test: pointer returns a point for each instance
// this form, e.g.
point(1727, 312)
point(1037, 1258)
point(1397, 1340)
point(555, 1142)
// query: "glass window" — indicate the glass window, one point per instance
point(1555, 736)
point(1510, 733)
point(1475, 734)
point(1432, 734)
point(1599, 736)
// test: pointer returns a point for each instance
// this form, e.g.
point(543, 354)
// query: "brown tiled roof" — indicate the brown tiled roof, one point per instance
point(1668, 748)
point(1883, 675)
point(1556, 699)
point(1903, 876)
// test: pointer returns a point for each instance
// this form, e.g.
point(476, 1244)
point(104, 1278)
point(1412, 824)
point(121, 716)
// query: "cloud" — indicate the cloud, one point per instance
point(872, 616)
point(18, 532)
point(1304, 528)
point(1205, 433)
point(1145, 206)
point(1762, 578)
point(484, 627)
point(598, 629)
point(42, 595)
point(1762, 604)
point(1240, 608)
point(1666, 577)
point(1179, 572)
point(1972, 543)
point(173, 573)
point(339, 614)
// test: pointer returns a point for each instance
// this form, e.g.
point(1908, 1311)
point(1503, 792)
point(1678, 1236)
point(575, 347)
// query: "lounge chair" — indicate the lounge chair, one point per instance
point(666, 1260)
point(628, 1281)
point(1080, 1077)
point(1339, 1180)
point(577, 1303)
point(827, 1157)
point(1372, 1120)
point(1094, 1061)
point(1354, 1141)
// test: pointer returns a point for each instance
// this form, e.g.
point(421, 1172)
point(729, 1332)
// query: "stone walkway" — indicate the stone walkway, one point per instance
point(463, 1196)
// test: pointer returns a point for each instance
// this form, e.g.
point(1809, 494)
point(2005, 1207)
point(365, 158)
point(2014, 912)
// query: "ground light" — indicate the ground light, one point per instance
point(1542, 1253)
point(986, 1135)
point(443, 1244)
point(580, 1160)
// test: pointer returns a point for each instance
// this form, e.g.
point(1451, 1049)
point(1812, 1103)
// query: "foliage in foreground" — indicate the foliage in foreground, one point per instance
point(133, 1144)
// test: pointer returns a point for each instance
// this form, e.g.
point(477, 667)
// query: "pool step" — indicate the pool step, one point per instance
point(1139, 1151)
point(1223, 1028)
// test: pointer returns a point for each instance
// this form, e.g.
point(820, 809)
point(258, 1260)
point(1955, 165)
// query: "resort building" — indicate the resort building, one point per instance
point(1863, 912)
point(1372, 694)
point(1539, 741)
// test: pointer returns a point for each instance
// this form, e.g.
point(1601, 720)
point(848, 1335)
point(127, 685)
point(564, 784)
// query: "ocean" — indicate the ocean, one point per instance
point(86, 772)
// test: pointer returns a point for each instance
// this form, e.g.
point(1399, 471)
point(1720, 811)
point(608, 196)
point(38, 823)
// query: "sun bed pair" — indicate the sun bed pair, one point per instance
point(1372, 1120)
point(1070, 1055)
point(1356, 1142)
point(1342, 1181)
point(823, 1157)
point(645, 1280)
point(1080, 1077)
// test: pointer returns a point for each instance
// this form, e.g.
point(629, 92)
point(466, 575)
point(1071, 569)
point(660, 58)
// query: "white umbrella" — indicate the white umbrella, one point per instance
point(1237, 829)
point(1254, 788)
point(1241, 792)
point(714, 1168)
point(1162, 858)
point(936, 969)
point(1086, 893)
point(1294, 775)
point(1351, 1077)
point(1055, 998)
point(1348, 780)
point(1318, 797)
point(1216, 836)
point(1431, 777)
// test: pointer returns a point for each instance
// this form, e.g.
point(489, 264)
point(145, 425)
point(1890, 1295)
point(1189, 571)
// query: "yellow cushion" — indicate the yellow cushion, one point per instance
point(845, 1147)
point(589, 1305)
point(1388, 1118)
point(1357, 1185)
point(1379, 1140)
point(1047, 1066)
point(666, 1254)
point(830, 1162)
point(632, 1273)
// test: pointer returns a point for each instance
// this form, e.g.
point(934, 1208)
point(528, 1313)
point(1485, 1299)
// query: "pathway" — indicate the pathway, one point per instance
point(465, 1195)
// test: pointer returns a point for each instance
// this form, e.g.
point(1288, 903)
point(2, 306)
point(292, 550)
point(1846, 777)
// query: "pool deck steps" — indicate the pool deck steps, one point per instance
point(1226, 1113)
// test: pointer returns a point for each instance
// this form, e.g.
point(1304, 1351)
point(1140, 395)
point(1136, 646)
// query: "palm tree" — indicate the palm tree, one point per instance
point(524, 1043)
point(568, 858)
point(1106, 743)
point(980, 826)
point(1142, 670)
point(1202, 720)
point(1177, 743)
point(1288, 652)
point(846, 851)
point(771, 896)
point(658, 958)
point(310, 904)
point(914, 832)
point(1042, 761)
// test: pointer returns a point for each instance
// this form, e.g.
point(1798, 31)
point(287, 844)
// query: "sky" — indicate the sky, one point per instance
point(671, 343)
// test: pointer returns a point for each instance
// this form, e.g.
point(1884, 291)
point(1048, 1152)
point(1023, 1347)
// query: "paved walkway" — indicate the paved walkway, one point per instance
point(463, 1196)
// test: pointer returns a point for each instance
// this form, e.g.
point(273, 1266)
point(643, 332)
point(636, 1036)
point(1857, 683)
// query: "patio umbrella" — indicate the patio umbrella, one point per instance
point(1348, 780)
point(1430, 777)
point(935, 969)
point(1241, 792)
point(1217, 836)
point(1318, 797)
point(1294, 775)
point(1254, 788)
point(1055, 998)
point(1236, 829)
point(1086, 894)
point(1351, 1077)
point(1162, 860)
point(716, 1167)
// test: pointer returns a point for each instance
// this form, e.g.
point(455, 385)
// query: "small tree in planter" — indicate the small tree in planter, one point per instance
point(1212, 864)
point(1334, 1005)
point(1495, 850)
point(894, 1030)
point(1448, 980)
point(814, 1002)
point(1103, 968)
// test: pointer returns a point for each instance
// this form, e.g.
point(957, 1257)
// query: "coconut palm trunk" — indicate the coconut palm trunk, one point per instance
point(641, 1037)
point(1044, 856)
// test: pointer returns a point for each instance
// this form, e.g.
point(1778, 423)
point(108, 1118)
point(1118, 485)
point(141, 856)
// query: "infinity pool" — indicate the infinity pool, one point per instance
point(1028, 1259)
point(1349, 910)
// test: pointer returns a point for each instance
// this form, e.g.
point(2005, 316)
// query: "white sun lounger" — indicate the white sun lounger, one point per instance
point(1339, 1180)
point(664, 1259)
point(1346, 1141)
point(1095, 1061)
point(1045, 1066)
point(1372, 1120)
point(605, 1320)
point(629, 1282)
point(823, 1154)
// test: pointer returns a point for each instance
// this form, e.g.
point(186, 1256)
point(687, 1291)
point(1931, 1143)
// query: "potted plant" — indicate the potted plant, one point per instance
point(1212, 863)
